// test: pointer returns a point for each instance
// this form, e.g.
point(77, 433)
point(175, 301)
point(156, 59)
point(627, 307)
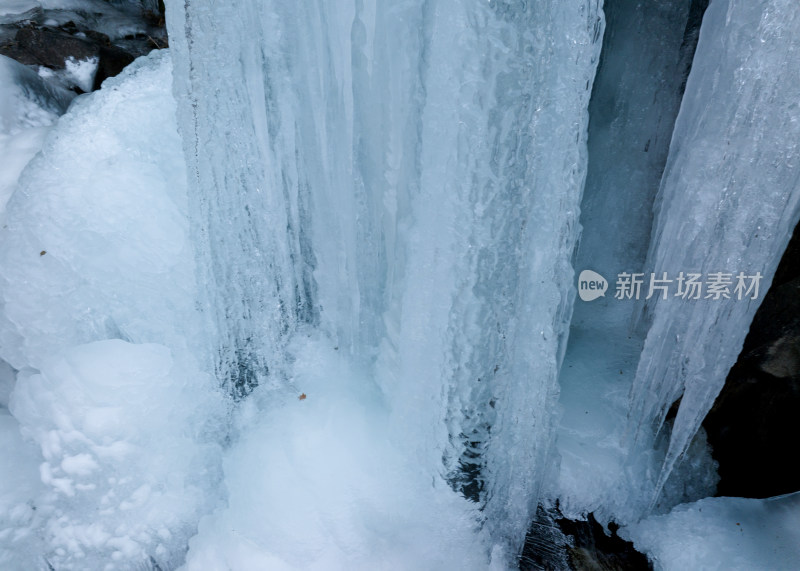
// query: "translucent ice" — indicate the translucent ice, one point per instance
point(406, 176)
point(728, 201)
point(634, 104)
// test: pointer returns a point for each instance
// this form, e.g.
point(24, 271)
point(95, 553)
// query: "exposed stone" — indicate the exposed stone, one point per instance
point(48, 47)
point(554, 543)
point(112, 61)
point(754, 425)
point(51, 48)
point(49, 38)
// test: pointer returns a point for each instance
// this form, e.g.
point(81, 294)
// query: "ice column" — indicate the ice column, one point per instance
point(406, 177)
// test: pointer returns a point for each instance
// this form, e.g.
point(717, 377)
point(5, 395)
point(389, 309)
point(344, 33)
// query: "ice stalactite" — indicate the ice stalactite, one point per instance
point(728, 201)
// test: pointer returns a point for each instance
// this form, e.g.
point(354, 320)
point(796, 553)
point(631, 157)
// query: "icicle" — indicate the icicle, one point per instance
point(728, 201)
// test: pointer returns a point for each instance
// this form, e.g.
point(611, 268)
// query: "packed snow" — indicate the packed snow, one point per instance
point(98, 274)
point(317, 481)
point(125, 471)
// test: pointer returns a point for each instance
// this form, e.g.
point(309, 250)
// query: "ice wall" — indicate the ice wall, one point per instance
point(240, 122)
point(728, 201)
point(634, 104)
point(406, 177)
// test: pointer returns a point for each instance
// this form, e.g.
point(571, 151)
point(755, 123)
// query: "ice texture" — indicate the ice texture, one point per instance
point(319, 483)
point(81, 72)
point(728, 201)
point(13, 7)
point(118, 426)
point(736, 534)
point(371, 254)
point(405, 177)
point(21, 546)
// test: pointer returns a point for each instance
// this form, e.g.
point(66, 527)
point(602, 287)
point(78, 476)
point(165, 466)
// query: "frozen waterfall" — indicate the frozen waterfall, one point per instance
point(407, 178)
point(301, 292)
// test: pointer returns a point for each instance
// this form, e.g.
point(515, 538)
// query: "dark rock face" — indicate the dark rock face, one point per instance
point(47, 47)
point(754, 426)
point(52, 47)
point(48, 38)
point(554, 543)
point(112, 60)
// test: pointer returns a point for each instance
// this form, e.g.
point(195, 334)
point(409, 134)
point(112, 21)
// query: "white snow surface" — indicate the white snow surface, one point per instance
point(124, 474)
point(320, 483)
point(96, 229)
point(725, 534)
point(111, 427)
point(81, 72)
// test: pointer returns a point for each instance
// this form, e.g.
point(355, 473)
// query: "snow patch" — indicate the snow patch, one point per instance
point(81, 72)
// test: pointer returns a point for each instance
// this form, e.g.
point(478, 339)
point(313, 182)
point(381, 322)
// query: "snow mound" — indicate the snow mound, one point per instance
point(317, 482)
point(123, 470)
point(110, 432)
point(94, 244)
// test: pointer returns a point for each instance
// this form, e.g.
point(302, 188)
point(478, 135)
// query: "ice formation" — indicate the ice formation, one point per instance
point(723, 533)
point(635, 101)
point(728, 201)
point(28, 108)
point(303, 301)
point(406, 178)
